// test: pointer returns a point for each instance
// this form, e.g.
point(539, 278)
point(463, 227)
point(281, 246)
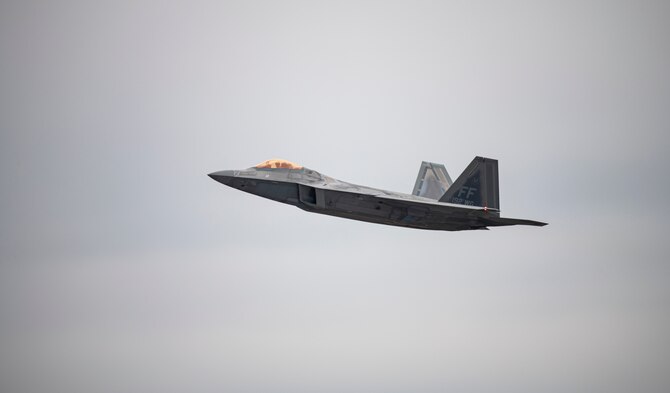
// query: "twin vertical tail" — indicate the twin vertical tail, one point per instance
point(476, 186)
point(432, 182)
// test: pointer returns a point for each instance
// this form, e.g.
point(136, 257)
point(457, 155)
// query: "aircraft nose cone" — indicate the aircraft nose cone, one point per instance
point(224, 177)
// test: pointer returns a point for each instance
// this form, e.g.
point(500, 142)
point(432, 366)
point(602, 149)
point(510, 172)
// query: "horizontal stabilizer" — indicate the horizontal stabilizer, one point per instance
point(501, 222)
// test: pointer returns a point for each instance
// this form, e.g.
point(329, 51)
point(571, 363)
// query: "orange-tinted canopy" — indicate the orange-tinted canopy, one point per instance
point(278, 164)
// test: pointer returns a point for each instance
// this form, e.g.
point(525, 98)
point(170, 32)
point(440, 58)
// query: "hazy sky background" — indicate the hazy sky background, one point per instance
point(124, 268)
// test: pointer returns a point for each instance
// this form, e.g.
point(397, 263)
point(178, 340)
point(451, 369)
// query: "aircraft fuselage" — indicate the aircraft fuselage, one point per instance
point(316, 193)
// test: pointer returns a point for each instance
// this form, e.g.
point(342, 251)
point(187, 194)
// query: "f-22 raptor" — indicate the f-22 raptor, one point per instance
point(437, 203)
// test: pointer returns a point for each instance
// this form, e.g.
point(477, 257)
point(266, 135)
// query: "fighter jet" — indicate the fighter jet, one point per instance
point(437, 203)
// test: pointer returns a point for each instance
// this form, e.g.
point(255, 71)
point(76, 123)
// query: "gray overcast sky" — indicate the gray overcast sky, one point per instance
point(124, 268)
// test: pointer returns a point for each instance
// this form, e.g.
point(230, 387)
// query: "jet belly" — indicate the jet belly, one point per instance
point(376, 209)
point(354, 206)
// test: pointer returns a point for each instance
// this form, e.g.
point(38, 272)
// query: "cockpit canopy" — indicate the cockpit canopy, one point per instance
point(274, 164)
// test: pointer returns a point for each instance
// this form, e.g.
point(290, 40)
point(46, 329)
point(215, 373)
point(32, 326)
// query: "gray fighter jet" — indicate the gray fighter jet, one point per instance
point(471, 202)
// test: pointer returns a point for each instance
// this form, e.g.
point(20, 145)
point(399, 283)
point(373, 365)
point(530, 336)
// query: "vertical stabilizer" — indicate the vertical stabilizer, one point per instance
point(432, 181)
point(476, 186)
